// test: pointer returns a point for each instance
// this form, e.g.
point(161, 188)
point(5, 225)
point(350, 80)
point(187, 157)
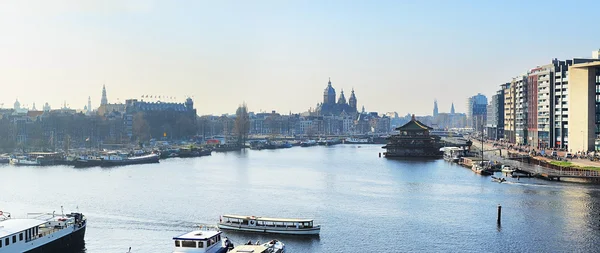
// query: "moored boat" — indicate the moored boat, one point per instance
point(120, 160)
point(273, 246)
point(87, 161)
point(201, 241)
point(507, 169)
point(308, 143)
point(4, 159)
point(481, 169)
point(26, 161)
point(42, 233)
point(269, 225)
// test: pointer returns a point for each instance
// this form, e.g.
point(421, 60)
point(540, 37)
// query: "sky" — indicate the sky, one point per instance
point(278, 55)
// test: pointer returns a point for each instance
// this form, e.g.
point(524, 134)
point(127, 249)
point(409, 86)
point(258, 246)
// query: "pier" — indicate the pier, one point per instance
point(541, 168)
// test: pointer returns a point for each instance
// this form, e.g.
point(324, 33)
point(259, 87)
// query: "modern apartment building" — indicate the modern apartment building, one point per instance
point(539, 103)
point(477, 112)
point(520, 83)
point(495, 115)
point(509, 112)
point(584, 99)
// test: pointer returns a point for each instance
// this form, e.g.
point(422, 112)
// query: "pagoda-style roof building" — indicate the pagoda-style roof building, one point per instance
point(413, 140)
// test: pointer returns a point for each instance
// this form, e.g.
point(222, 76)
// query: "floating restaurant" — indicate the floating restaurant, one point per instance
point(413, 140)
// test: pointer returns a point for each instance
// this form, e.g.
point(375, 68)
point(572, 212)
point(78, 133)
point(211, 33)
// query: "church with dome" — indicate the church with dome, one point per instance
point(331, 107)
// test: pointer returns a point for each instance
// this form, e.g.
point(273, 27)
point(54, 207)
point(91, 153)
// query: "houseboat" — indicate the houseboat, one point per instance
point(86, 161)
point(356, 141)
point(116, 159)
point(453, 154)
point(202, 241)
point(413, 140)
point(42, 233)
point(482, 169)
point(26, 161)
point(269, 225)
point(308, 143)
point(4, 159)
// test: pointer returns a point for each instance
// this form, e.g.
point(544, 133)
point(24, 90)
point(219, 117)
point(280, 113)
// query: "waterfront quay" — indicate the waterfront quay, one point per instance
point(364, 203)
point(578, 169)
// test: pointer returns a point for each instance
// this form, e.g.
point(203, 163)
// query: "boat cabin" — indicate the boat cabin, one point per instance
point(267, 222)
point(198, 241)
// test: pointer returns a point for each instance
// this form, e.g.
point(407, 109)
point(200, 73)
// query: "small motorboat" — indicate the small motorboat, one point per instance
point(498, 179)
point(273, 246)
point(507, 169)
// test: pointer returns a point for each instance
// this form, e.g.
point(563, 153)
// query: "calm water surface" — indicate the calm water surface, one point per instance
point(364, 203)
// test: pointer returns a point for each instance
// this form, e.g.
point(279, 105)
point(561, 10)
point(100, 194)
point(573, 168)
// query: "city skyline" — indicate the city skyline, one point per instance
point(276, 56)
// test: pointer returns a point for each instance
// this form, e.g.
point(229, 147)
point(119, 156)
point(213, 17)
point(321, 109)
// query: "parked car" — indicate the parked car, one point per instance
point(568, 155)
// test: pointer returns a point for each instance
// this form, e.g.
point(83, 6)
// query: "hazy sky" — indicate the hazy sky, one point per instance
point(277, 55)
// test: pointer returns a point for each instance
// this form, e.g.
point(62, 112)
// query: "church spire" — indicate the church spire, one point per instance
point(352, 101)
point(452, 108)
point(342, 99)
point(104, 100)
point(435, 108)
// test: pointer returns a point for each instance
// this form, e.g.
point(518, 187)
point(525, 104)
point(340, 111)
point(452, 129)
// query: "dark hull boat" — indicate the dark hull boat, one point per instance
point(152, 158)
point(86, 163)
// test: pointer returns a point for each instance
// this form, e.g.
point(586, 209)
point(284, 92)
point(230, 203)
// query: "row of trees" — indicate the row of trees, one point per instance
point(55, 131)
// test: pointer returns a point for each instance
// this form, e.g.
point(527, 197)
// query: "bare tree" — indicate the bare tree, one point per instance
point(242, 124)
point(141, 129)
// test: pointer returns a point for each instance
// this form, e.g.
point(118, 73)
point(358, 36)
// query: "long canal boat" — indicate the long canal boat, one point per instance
point(269, 225)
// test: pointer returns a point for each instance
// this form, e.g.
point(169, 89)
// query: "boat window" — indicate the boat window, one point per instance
point(21, 237)
point(188, 244)
point(7, 241)
point(177, 243)
point(14, 238)
point(201, 244)
point(0, 243)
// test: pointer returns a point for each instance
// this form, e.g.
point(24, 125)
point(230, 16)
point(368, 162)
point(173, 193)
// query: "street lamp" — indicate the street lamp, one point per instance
point(582, 144)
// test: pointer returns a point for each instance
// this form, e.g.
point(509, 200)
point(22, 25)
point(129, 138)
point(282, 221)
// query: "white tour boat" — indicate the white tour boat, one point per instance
point(201, 241)
point(41, 233)
point(269, 225)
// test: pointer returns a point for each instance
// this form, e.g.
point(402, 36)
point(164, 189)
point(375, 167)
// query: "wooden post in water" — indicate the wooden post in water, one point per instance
point(499, 213)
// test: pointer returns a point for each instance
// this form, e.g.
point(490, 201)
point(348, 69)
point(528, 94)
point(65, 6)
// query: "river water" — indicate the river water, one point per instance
point(364, 203)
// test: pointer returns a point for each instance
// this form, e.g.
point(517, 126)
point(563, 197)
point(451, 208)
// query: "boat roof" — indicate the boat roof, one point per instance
point(267, 219)
point(249, 249)
point(197, 235)
point(11, 226)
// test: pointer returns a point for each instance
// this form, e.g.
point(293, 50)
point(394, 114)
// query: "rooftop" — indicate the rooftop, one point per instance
point(12, 226)
point(249, 249)
point(266, 219)
point(197, 235)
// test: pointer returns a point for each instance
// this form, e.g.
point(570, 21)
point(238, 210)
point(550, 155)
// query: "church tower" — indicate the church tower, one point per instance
point(452, 108)
point(342, 99)
point(89, 106)
point(104, 100)
point(329, 94)
point(435, 108)
point(352, 101)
